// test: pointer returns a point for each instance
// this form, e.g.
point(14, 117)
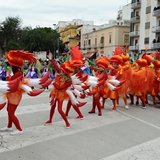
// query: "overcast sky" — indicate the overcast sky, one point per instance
point(45, 13)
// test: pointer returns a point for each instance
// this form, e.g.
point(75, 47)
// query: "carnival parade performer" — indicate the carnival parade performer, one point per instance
point(58, 93)
point(109, 83)
point(116, 71)
point(16, 59)
point(126, 73)
point(139, 82)
point(69, 85)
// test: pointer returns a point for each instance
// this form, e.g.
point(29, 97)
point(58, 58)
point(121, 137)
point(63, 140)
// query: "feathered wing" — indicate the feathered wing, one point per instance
point(30, 91)
point(2, 101)
point(42, 82)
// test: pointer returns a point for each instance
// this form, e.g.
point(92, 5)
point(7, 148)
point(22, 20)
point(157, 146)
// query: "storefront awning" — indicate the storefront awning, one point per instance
point(90, 54)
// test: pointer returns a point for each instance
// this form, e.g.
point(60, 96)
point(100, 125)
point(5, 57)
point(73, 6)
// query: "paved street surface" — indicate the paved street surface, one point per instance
point(132, 134)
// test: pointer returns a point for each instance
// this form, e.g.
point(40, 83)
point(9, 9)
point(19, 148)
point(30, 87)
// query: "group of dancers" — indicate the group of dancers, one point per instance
point(112, 79)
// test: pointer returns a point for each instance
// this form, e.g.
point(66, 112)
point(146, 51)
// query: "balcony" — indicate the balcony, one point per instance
point(135, 5)
point(134, 34)
point(156, 29)
point(119, 17)
point(135, 19)
point(77, 37)
point(134, 48)
point(101, 45)
point(71, 37)
point(156, 12)
point(94, 46)
point(83, 47)
point(155, 45)
point(88, 46)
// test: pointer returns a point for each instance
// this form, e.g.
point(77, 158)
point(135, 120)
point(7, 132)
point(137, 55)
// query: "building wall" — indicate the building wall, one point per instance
point(117, 38)
point(68, 34)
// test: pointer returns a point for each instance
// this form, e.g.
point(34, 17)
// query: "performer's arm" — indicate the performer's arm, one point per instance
point(53, 62)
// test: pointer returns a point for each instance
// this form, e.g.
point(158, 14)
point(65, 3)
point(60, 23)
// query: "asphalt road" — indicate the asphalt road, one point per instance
point(132, 134)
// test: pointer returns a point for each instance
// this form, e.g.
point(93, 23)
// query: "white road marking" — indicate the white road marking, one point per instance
point(36, 134)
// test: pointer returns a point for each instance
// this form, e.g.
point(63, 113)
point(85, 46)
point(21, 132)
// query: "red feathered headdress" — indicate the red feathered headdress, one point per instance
point(142, 62)
point(17, 57)
point(102, 62)
point(67, 68)
point(77, 57)
point(149, 58)
point(118, 51)
point(117, 59)
point(156, 63)
point(125, 55)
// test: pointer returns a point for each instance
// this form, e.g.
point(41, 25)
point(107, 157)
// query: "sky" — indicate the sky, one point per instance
point(45, 13)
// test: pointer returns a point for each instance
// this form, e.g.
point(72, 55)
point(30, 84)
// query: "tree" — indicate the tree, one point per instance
point(41, 39)
point(12, 36)
point(10, 31)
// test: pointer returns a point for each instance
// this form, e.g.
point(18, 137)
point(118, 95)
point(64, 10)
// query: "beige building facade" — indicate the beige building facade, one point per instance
point(103, 42)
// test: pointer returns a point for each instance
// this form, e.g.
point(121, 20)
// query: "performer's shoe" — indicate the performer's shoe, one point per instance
point(79, 117)
point(126, 107)
point(68, 125)
point(137, 103)
point(114, 109)
point(91, 112)
point(5, 129)
point(144, 107)
point(100, 114)
point(48, 123)
point(16, 132)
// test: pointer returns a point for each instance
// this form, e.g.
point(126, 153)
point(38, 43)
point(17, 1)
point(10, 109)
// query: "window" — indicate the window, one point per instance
point(126, 39)
point(148, 9)
point(136, 27)
point(147, 25)
point(110, 38)
point(146, 40)
point(102, 40)
point(95, 40)
point(84, 43)
point(136, 42)
point(89, 42)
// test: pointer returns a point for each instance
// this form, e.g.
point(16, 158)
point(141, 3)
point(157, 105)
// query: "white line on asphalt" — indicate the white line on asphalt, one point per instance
point(146, 151)
point(37, 134)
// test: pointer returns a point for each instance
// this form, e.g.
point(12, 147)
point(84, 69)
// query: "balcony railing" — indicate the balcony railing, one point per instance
point(134, 34)
point(101, 45)
point(83, 47)
point(71, 37)
point(135, 19)
point(135, 5)
point(156, 13)
point(88, 46)
point(156, 29)
point(155, 45)
point(134, 48)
